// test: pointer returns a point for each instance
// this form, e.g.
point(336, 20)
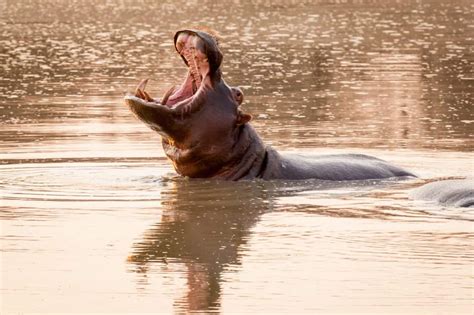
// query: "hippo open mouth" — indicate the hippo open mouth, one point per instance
point(192, 49)
point(201, 54)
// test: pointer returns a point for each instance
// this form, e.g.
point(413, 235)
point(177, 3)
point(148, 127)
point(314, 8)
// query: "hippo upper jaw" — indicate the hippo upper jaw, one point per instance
point(200, 52)
point(202, 56)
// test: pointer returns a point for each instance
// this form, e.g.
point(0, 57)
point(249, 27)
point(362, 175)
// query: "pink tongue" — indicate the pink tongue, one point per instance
point(184, 91)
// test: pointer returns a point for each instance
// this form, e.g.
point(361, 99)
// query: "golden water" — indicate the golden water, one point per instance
point(93, 218)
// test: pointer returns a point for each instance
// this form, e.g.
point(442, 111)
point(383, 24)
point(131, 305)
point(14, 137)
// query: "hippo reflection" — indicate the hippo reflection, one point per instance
point(207, 238)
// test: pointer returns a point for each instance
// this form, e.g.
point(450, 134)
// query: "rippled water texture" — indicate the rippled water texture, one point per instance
point(94, 219)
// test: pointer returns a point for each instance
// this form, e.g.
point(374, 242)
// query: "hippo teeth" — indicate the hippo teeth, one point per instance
point(190, 56)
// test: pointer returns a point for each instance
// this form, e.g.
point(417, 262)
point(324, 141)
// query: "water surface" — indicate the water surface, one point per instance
point(94, 219)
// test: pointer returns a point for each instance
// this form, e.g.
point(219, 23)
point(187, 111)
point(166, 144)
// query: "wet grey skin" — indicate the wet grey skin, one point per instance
point(206, 135)
point(449, 193)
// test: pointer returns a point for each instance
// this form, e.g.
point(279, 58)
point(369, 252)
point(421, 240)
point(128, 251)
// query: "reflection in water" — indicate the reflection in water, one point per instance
point(202, 226)
point(81, 179)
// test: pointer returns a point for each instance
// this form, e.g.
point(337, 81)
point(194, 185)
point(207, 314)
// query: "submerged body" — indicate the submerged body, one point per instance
point(450, 193)
point(206, 135)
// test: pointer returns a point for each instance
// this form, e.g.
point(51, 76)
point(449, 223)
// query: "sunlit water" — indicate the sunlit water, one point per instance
point(95, 220)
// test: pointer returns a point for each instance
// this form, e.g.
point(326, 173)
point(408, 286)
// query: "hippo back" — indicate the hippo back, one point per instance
point(455, 193)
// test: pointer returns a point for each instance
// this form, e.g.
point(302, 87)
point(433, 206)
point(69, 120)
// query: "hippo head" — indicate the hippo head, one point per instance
point(199, 120)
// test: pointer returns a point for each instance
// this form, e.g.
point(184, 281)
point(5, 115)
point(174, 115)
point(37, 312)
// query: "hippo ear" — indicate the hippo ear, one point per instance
point(243, 118)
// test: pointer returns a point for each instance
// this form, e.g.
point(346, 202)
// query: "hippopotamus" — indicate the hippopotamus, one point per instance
point(205, 134)
point(449, 193)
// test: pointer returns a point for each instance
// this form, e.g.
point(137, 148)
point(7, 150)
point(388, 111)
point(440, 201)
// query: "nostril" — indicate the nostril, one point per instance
point(239, 94)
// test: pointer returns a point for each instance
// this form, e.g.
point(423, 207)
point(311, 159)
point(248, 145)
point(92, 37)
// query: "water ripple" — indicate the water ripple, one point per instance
point(81, 184)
